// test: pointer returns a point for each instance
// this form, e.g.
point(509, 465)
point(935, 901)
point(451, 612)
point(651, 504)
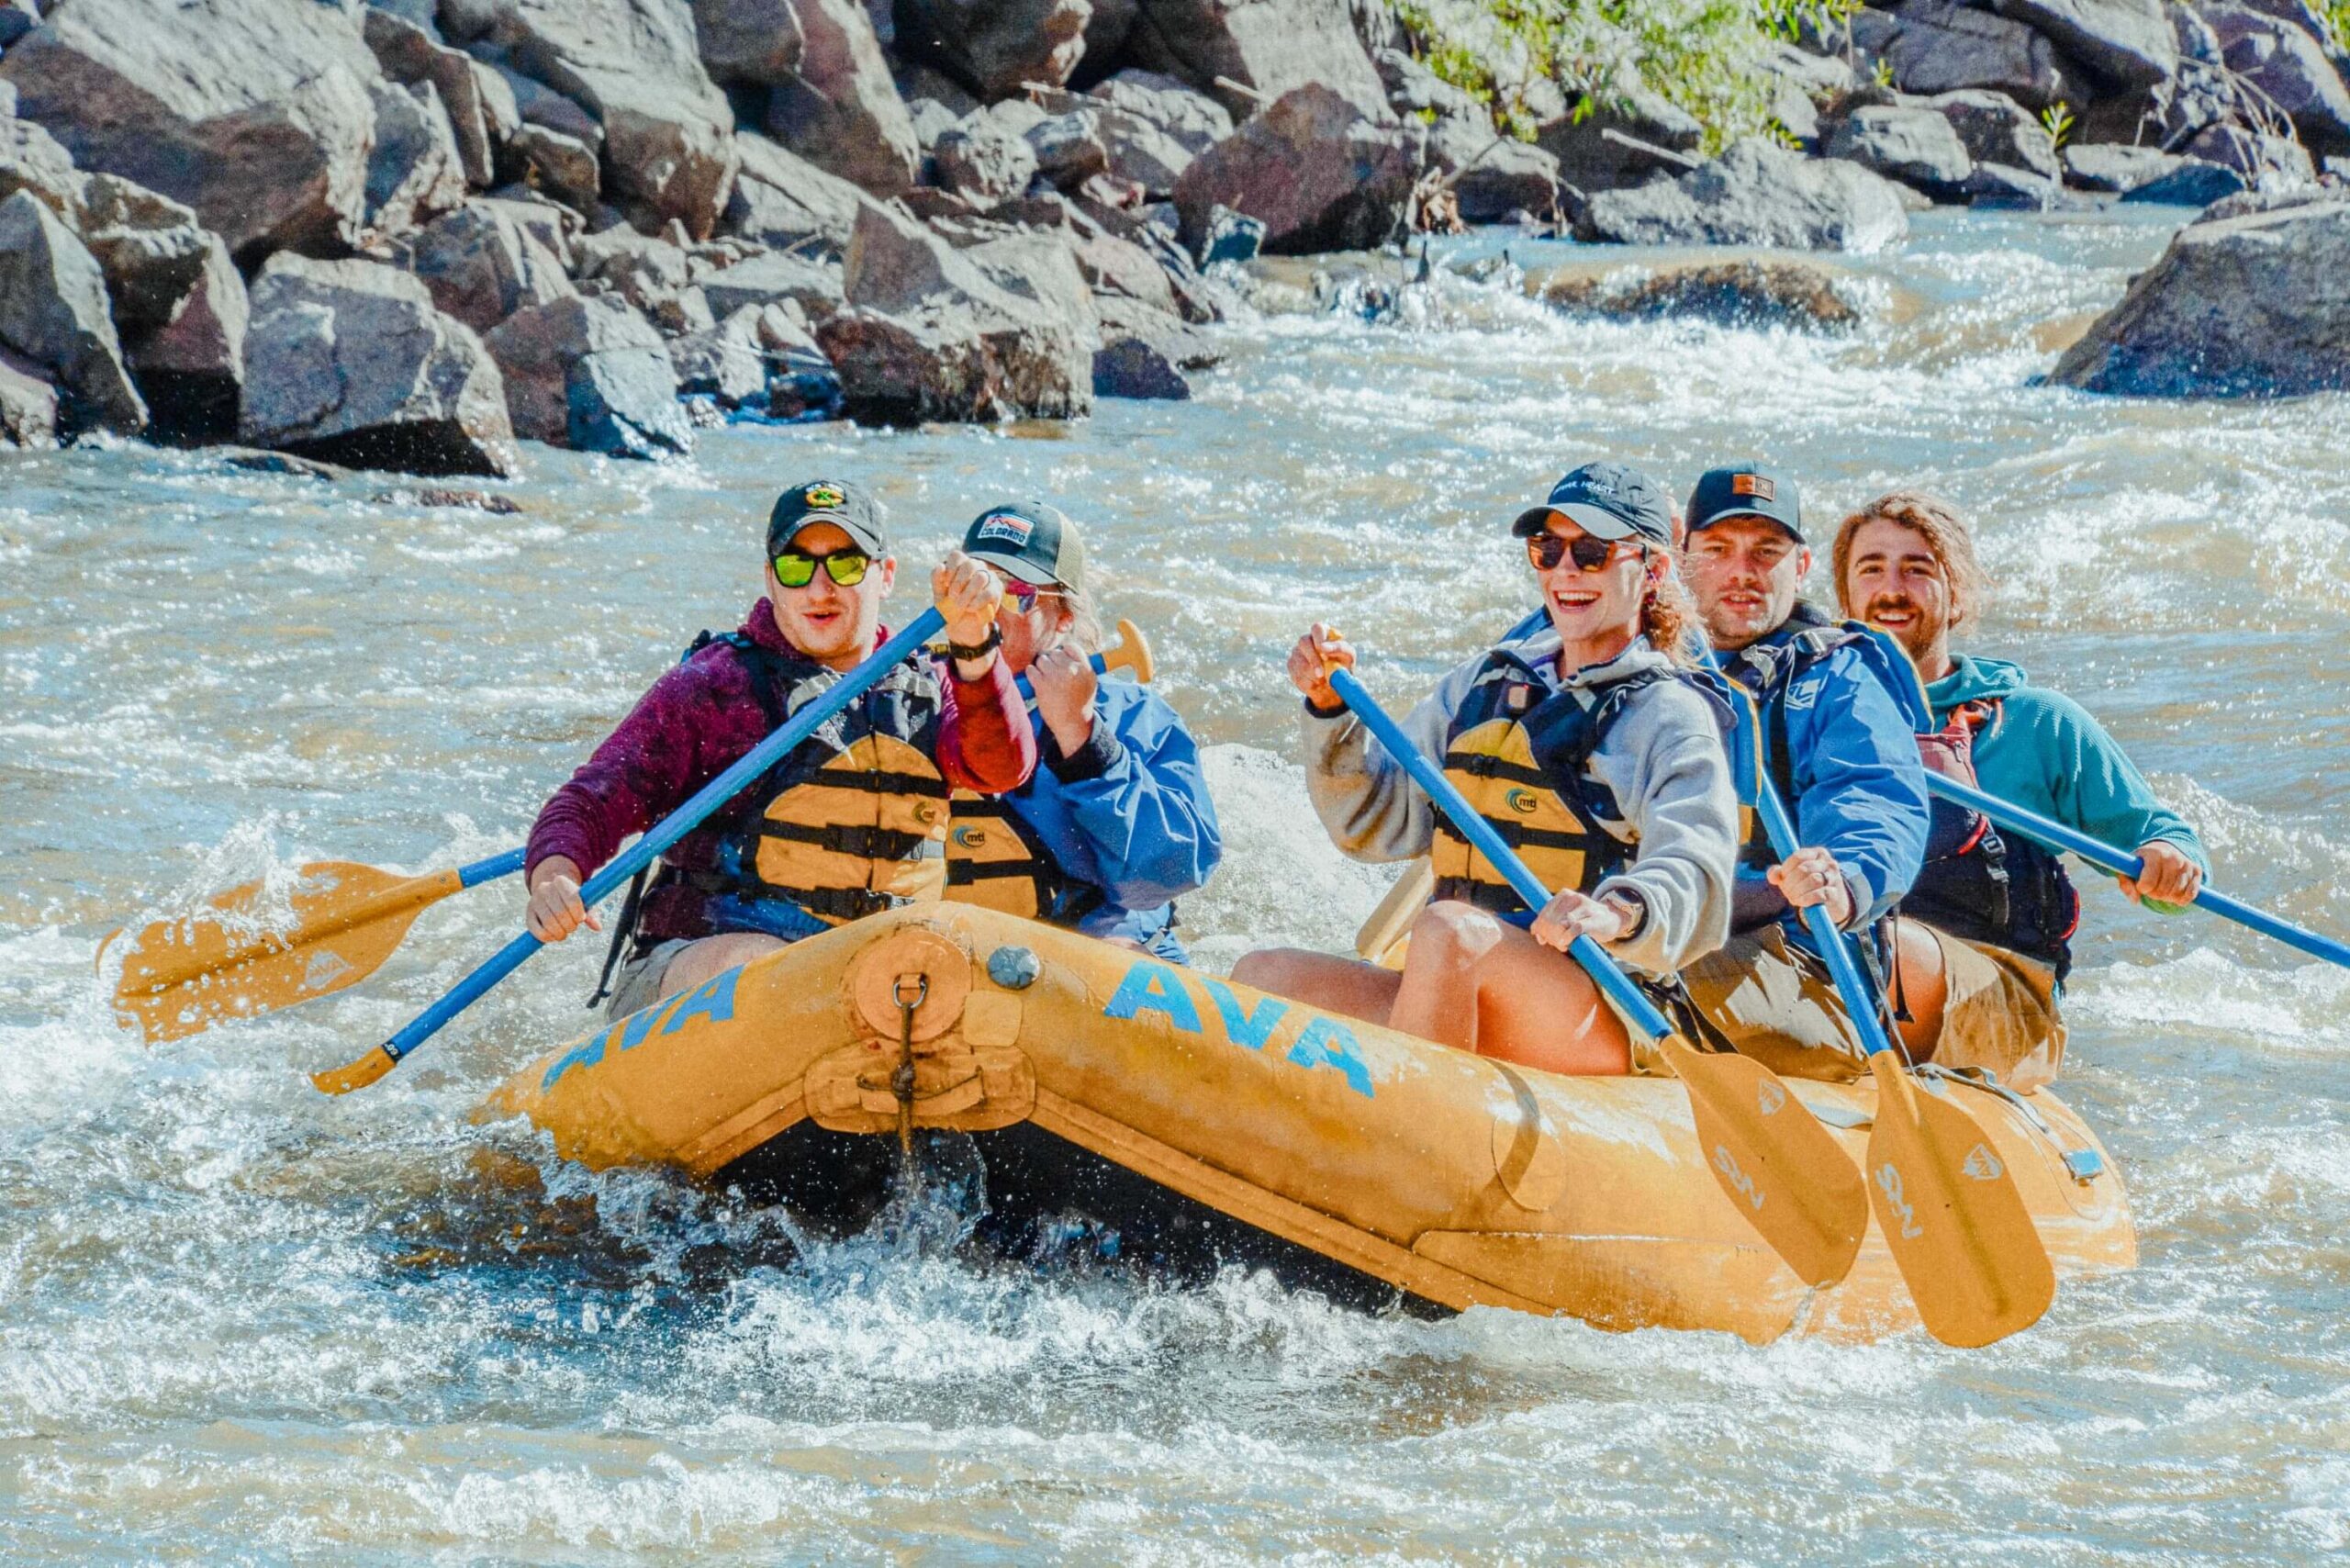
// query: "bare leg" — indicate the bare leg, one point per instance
point(1333, 984)
point(1918, 959)
point(713, 955)
point(1487, 987)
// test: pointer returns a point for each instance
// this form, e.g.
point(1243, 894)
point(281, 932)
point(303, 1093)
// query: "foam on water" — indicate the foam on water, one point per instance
point(239, 1322)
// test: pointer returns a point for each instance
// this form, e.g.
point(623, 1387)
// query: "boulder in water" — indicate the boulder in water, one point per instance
point(349, 361)
point(2190, 181)
point(1915, 145)
point(1313, 168)
point(1755, 194)
point(1795, 295)
point(592, 375)
point(2097, 166)
point(2250, 307)
point(54, 314)
point(1130, 366)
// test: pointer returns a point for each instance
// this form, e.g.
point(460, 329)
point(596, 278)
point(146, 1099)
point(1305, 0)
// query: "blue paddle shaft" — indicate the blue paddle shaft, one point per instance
point(1430, 777)
point(2056, 836)
point(1097, 661)
point(676, 826)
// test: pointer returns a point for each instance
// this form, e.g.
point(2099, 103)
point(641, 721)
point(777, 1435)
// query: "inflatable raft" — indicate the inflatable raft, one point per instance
point(1202, 1122)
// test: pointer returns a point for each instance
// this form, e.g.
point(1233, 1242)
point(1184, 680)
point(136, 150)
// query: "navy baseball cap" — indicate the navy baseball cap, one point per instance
point(847, 507)
point(1035, 542)
point(1606, 500)
point(1753, 490)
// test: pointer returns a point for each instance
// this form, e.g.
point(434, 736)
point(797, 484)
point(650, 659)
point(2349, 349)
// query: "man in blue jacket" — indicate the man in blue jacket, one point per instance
point(1116, 822)
point(1983, 964)
point(1838, 739)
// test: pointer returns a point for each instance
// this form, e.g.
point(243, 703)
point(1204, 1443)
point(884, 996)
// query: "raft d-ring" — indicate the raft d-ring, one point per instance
point(893, 968)
point(919, 986)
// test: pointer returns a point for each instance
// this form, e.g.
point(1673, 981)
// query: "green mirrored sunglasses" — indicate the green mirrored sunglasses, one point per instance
point(847, 567)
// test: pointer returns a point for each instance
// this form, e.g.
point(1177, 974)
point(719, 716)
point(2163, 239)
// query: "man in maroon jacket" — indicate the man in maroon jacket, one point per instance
point(852, 821)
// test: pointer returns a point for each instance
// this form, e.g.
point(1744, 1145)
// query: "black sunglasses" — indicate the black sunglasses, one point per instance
point(1590, 551)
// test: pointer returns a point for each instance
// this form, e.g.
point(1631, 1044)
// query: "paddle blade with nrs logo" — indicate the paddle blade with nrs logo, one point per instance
point(1957, 1226)
point(1779, 1167)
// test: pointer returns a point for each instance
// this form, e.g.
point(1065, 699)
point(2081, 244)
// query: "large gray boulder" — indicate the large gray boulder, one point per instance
point(1318, 171)
point(54, 314)
point(812, 284)
point(749, 43)
point(839, 109)
point(1755, 194)
point(1916, 146)
point(1994, 129)
point(1938, 46)
point(2128, 43)
point(255, 113)
point(930, 335)
point(348, 362)
point(482, 263)
point(2289, 67)
point(179, 306)
point(1268, 46)
point(591, 375)
point(31, 158)
point(2109, 167)
point(1188, 115)
point(415, 172)
point(2248, 306)
point(669, 132)
point(783, 202)
point(412, 56)
point(996, 48)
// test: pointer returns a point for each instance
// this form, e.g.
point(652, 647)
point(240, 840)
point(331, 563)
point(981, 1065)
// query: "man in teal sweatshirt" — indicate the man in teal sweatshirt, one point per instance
point(1983, 962)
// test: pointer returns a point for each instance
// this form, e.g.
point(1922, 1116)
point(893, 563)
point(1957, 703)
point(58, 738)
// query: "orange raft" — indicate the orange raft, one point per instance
point(1196, 1118)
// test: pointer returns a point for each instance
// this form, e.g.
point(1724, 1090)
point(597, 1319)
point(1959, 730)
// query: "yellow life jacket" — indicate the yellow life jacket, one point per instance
point(994, 859)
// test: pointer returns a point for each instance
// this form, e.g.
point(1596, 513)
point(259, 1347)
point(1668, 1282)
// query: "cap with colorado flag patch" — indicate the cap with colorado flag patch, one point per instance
point(1754, 490)
point(1033, 541)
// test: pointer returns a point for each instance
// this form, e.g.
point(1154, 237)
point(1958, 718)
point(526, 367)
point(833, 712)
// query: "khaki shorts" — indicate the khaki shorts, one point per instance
point(638, 984)
point(2000, 1013)
point(1776, 1002)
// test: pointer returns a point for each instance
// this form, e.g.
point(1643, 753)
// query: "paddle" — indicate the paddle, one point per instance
point(2056, 836)
point(184, 975)
point(666, 832)
point(1957, 1226)
point(1782, 1172)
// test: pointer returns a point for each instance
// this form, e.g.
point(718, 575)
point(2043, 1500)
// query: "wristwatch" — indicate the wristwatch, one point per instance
point(1631, 906)
point(977, 650)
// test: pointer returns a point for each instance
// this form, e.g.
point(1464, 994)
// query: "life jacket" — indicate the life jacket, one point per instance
point(1517, 752)
point(1978, 883)
point(1777, 669)
point(996, 860)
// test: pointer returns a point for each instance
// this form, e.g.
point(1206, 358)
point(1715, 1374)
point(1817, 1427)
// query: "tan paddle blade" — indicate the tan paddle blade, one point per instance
point(1132, 652)
point(186, 975)
point(1779, 1167)
point(1949, 1211)
point(1396, 911)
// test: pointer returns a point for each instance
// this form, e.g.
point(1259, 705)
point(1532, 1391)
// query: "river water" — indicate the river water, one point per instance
point(239, 1322)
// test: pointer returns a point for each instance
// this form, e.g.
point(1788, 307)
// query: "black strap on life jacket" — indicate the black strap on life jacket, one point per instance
point(1061, 899)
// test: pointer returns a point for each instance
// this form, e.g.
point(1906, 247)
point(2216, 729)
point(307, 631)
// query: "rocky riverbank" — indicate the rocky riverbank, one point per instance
point(408, 235)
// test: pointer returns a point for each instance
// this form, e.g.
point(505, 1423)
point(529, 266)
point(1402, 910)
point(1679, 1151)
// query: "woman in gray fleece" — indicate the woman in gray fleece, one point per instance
point(1589, 751)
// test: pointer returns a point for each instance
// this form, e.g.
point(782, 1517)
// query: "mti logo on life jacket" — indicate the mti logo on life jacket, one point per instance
point(968, 838)
point(1014, 530)
point(1525, 803)
point(925, 811)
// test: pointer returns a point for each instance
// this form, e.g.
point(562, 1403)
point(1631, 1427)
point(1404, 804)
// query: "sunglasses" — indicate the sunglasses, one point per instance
point(1023, 596)
point(1590, 551)
point(847, 567)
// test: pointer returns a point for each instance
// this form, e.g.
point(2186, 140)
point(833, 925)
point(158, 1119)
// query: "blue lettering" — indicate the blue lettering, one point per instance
point(713, 1000)
point(1154, 987)
point(1254, 1029)
point(1328, 1043)
point(588, 1053)
point(637, 1027)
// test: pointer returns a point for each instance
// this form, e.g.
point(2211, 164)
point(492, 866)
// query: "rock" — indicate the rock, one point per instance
point(2191, 182)
point(1268, 46)
point(2261, 160)
point(840, 110)
point(2289, 67)
point(727, 362)
point(179, 306)
point(559, 166)
point(414, 173)
point(1755, 194)
point(1994, 129)
point(538, 104)
point(18, 18)
point(1492, 174)
point(783, 202)
point(1319, 173)
point(31, 160)
point(1181, 345)
point(350, 363)
point(1123, 269)
point(2249, 307)
point(1626, 139)
point(591, 375)
point(481, 266)
point(2128, 43)
point(462, 500)
point(2095, 166)
point(28, 406)
point(668, 142)
point(930, 336)
point(1193, 118)
point(1934, 46)
point(1231, 236)
point(1069, 149)
point(984, 160)
point(916, 80)
point(53, 313)
point(932, 120)
point(1916, 146)
point(997, 47)
point(409, 55)
point(1791, 295)
point(748, 43)
point(813, 284)
point(1130, 367)
point(1135, 150)
point(254, 112)
point(2005, 185)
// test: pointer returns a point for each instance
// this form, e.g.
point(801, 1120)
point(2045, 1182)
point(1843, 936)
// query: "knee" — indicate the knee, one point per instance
point(1265, 969)
point(1454, 931)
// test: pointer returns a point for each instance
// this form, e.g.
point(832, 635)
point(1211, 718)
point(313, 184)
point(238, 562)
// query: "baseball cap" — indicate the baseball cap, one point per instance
point(1752, 491)
point(1606, 500)
point(845, 506)
point(1033, 541)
